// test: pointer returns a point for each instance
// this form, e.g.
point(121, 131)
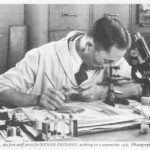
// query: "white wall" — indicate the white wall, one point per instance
point(9, 15)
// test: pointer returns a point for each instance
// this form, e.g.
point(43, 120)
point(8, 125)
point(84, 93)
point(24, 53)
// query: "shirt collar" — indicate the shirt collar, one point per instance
point(74, 55)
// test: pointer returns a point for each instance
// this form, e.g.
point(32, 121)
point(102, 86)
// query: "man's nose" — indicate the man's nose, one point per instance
point(102, 66)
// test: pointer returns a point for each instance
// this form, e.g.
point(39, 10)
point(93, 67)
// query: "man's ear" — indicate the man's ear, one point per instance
point(86, 44)
point(89, 44)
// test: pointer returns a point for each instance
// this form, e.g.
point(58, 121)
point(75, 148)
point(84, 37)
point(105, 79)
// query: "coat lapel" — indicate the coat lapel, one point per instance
point(63, 53)
point(62, 49)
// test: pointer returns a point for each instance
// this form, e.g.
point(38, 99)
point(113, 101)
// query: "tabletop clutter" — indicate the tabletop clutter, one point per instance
point(75, 119)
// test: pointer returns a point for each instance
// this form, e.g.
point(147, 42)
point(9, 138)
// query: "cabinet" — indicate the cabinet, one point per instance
point(66, 17)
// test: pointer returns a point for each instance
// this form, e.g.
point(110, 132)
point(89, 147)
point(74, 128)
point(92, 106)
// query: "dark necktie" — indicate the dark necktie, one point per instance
point(81, 75)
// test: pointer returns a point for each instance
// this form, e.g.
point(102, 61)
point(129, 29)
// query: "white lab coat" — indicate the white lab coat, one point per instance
point(47, 66)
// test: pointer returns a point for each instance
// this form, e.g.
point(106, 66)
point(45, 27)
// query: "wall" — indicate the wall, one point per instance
point(36, 18)
point(9, 15)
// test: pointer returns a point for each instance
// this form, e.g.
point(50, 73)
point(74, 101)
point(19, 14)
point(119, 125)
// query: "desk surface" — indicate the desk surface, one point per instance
point(121, 135)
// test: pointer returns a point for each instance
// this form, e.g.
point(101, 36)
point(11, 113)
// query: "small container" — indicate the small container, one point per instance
point(74, 128)
point(45, 129)
point(38, 125)
point(11, 131)
point(145, 113)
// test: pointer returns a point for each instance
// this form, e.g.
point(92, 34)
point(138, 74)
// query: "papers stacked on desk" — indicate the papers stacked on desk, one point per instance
point(91, 116)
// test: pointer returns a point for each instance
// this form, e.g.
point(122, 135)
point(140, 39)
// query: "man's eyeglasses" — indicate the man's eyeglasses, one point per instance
point(108, 61)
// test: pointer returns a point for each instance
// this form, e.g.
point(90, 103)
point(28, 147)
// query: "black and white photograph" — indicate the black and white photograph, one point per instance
point(75, 75)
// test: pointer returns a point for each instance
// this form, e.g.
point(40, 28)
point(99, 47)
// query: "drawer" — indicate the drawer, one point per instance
point(120, 11)
point(68, 17)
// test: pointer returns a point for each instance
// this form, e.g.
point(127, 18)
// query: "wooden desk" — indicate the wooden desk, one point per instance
point(121, 135)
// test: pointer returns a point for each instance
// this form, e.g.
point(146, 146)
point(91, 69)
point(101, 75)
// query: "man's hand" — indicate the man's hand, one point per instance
point(93, 92)
point(86, 92)
point(52, 99)
point(70, 93)
point(128, 90)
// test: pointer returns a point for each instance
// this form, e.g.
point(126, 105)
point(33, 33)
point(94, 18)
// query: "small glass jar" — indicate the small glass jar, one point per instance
point(145, 115)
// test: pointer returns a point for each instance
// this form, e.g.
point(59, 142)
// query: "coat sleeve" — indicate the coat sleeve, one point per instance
point(22, 76)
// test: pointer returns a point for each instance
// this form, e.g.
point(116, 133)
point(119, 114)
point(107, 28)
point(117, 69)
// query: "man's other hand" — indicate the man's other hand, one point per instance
point(93, 92)
point(129, 90)
point(86, 92)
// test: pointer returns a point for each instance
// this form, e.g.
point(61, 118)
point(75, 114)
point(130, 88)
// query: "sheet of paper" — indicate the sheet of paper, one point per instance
point(109, 126)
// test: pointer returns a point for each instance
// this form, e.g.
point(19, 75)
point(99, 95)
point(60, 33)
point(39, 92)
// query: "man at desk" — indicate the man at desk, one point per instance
point(47, 74)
